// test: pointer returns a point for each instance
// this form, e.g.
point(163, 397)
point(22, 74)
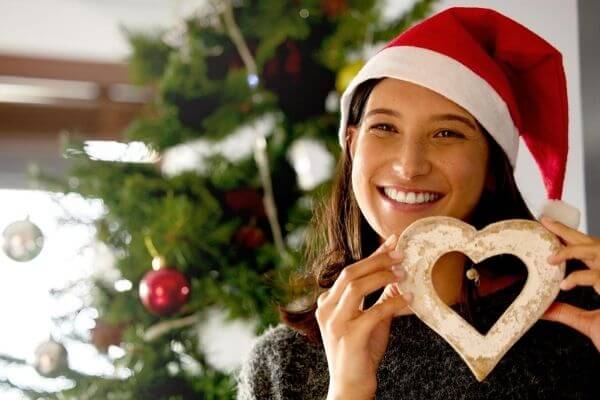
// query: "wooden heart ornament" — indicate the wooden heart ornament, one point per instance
point(428, 239)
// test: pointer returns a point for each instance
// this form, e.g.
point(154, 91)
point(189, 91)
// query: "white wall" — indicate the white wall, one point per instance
point(589, 33)
point(79, 29)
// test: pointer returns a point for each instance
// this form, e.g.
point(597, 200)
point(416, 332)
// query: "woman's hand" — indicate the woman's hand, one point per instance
point(587, 249)
point(355, 340)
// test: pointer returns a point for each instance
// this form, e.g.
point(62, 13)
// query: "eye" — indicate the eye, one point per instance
point(446, 133)
point(382, 127)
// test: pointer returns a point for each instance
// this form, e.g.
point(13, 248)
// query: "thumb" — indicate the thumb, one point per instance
point(381, 311)
point(389, 244)
point(391, 291)
point(569, 315)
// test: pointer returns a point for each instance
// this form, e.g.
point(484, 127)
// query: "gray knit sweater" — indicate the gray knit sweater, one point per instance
point(551, 361)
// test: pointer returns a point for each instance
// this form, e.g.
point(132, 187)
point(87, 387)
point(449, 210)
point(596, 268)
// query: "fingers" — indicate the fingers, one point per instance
point(569, 235)
point(569, 315)
point(349, 305)
point(588, 253)
point(589, 277)
point(389, 244)
point(363, 325)
point(389, 291)
point(381, 261)
point(342, 303)
point(322, 297)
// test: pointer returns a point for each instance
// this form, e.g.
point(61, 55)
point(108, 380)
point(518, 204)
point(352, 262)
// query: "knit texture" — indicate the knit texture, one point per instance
point(551, 361)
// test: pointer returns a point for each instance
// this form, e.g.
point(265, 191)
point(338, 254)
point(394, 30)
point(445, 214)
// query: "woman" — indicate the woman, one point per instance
point(409, 152)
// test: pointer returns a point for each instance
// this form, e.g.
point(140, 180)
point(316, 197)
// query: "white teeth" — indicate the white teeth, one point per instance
point(409, 197)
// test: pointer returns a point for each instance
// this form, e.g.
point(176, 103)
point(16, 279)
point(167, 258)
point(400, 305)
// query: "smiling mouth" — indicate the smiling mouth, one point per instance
point(408, 197)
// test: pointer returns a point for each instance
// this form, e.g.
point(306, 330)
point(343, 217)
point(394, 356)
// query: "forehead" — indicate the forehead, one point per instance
point(403, 95)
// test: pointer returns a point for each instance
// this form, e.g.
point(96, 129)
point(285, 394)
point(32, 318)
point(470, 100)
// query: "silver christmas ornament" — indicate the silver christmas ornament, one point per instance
point(51, 359)
point(22, 240)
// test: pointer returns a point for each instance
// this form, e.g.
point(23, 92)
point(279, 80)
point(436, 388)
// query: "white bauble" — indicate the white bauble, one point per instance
point(22, 240)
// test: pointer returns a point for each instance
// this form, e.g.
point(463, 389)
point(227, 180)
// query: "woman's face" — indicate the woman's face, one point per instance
point(415, 154)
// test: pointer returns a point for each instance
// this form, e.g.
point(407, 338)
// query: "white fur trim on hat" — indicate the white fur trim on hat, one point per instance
point(445, 76)
point(562, 212)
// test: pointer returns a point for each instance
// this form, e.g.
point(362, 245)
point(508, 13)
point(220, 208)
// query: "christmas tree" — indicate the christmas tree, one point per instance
point(237, 145)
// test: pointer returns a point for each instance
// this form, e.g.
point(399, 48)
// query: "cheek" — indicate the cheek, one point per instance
point(360, 175)
point(363, 169)
point(360, 162)
point(466, 174)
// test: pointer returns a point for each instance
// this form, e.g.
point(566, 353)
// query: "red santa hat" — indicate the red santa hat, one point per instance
point(509, 78)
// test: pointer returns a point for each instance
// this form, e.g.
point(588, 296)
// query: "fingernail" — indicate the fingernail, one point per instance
point(564, 285)
point(390, 240)
point(547, 219)
point(398, 271)
point(397, 254)
point(553, 259)
point(408, 296)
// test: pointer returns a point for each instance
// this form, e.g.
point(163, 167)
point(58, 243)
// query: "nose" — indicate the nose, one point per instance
point(411, 159)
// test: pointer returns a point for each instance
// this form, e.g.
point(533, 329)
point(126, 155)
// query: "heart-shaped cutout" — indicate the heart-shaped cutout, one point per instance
point(428, 239)
point(504, 271)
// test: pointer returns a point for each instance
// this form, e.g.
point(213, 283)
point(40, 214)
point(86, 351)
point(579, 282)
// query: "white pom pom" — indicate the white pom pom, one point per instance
point(562, 212)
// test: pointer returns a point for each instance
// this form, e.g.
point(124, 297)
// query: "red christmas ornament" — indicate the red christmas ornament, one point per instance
point(246, 202)
point(333, 8)
point(286, 64)
point(164, 290)
point(104, 335)
point(250, 237)
point(286, 74)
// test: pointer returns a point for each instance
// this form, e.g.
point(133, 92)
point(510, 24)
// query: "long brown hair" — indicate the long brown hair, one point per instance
point(339, 235)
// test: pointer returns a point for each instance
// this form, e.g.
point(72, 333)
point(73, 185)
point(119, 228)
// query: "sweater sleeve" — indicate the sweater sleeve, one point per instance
point(254, 377)
point(282, 365)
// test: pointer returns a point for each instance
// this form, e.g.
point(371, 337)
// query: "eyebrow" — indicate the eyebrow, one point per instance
point(436, 117)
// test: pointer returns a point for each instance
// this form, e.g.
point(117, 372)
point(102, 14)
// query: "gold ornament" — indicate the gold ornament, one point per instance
point(346, 74)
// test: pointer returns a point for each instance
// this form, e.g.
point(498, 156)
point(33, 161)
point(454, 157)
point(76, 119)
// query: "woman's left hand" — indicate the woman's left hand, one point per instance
point(586, 249)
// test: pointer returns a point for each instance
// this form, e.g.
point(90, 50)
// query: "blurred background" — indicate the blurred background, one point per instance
point(158, 164)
